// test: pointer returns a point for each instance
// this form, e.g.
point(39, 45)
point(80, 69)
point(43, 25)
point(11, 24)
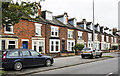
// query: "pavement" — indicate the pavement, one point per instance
point(60, 62)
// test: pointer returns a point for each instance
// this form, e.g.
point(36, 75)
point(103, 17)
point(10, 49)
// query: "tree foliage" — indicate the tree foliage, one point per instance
point(78, 47)
point(13, 12)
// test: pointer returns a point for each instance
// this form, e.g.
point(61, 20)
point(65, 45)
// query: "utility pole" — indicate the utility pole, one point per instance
point(93, 28)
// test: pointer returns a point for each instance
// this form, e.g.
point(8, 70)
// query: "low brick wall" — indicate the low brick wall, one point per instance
point(114, 50)
point(107, 51)
point(67, 54)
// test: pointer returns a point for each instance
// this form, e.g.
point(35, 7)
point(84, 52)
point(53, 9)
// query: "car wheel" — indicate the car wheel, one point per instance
point(83, 57)
point(100, 56)
point(91, 56)
point(48, 63)
point(18, 66)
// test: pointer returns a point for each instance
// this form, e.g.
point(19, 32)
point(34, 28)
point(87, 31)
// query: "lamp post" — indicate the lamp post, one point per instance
point(93, 28)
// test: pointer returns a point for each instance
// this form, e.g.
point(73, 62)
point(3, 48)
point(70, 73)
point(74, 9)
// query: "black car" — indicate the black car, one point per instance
point(20, 58)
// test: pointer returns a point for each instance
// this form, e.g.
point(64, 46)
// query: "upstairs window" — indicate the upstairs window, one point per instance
point(79, 35)
point(8, 29)
point(89, 36)
point(38, 29)
point(111, 39)
point(107, 38)
point(70, 34)
point(54, 31)
point(96, 37)
point(102, 37)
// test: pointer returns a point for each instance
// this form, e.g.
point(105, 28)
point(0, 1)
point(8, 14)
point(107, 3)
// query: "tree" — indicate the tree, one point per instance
point(78, 47)
point(12, 13)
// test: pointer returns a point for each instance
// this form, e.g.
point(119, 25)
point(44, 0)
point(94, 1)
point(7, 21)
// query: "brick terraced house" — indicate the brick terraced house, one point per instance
point(50, 34)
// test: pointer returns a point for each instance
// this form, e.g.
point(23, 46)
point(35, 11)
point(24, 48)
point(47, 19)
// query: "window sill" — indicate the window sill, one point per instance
point(37, 35)
point(54, 36)
point(8, 32)
point(54, 51)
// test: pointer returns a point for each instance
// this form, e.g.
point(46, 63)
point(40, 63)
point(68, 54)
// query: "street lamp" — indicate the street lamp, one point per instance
point(93, 28)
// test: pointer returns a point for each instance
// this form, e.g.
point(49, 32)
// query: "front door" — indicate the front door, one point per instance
point(63, 46)
point(25, 44)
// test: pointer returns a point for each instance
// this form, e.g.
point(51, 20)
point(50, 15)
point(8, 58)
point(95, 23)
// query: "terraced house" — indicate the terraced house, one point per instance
point(50, 34)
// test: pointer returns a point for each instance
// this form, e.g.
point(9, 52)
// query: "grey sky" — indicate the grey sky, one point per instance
point(106, 11)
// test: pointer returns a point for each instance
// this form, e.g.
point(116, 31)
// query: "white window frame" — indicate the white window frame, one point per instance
point(70, 41)
point(55, 29)
point(96, 37)
point(12, 44)
point(37, 45)
point(107, 38)
point(111, 39)
point(54, 44)
point(70, 33)
point(115, 40)
point(38, 26)
point(103, 38)
point(89, 36)
point(9, 32)
point(80, 35)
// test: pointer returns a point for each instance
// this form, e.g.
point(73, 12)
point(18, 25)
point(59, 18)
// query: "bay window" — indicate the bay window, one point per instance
point(54, 45)
point(70, 45)
point(38, 45)
point(11, 44)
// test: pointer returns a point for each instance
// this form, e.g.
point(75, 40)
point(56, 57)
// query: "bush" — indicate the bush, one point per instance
point(78, 47)
point(114, 47)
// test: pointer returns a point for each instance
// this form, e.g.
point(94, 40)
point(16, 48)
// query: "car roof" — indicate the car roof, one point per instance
point(16, 50)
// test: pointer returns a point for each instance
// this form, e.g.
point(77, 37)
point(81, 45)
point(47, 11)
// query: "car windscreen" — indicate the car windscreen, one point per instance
point(87, 49)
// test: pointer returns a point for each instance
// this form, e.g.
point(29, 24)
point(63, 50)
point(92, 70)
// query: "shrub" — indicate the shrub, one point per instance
point(114, 47)
point(78, 47)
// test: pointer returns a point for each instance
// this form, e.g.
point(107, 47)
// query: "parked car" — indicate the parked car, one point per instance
point(20, 58)
point(89, 52)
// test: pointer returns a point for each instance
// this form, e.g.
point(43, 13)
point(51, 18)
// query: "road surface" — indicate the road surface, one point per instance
point(109, 66)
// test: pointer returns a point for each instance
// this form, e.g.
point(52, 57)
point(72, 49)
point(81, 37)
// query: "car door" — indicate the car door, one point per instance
point(37, 58)
point(27, 58)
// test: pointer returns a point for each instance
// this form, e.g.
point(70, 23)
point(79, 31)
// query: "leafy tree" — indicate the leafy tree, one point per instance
point(13, 12)
point(78, 47)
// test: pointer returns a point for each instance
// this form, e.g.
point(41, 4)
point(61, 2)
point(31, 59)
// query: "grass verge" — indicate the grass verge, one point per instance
point(108, 56)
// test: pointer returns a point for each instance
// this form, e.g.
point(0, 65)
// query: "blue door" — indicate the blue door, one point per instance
point(25, 45)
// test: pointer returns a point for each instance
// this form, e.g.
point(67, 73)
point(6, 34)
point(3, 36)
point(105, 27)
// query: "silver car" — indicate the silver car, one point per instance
point(89, 52)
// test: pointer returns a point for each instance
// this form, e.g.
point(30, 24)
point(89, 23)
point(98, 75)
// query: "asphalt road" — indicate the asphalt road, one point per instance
point(109, 66)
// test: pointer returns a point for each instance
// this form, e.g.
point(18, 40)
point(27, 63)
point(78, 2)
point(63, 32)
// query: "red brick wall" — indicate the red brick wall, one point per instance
point(85, 37)
point(63, 34)
point(25, 30)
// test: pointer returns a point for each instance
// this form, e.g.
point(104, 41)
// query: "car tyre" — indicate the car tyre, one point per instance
point(18, 66)
point(48, 63)
point(91, 57)
point(83, 57)
point(100, 56)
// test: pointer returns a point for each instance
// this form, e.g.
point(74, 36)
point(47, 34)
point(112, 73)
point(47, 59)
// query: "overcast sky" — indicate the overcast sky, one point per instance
point(106, 11)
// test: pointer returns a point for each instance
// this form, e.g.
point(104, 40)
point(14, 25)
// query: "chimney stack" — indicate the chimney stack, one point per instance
point(39, 9)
